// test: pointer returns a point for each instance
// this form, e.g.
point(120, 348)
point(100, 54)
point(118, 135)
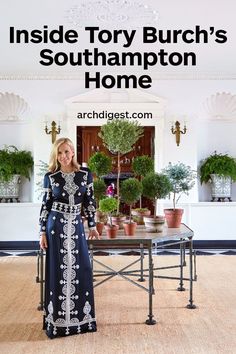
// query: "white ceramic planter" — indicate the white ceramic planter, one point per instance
point(10, 190)
point(220, 187)
point(154, 224)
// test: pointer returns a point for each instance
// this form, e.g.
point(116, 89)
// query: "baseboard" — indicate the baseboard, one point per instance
point(19, 245)
point(197, 244)
point(214, 244)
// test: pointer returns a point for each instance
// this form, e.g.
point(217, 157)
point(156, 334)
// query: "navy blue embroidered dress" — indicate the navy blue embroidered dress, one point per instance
point(69, 300)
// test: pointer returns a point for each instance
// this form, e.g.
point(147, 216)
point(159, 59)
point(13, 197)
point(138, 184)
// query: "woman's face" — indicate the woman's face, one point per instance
point(65, 155)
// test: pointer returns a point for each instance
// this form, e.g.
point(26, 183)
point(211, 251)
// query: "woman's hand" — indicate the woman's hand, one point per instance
point(43, 241)
point(93, 234)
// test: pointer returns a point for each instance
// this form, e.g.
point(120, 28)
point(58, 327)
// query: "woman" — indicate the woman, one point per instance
point(69, 302)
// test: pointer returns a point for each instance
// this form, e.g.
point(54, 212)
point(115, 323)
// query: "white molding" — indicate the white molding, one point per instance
point(154, 76)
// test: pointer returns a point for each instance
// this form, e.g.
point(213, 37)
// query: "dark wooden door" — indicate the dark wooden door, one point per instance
point(88, 142)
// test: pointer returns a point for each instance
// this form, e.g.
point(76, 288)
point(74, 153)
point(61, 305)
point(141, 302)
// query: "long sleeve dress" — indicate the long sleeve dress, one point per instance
point(69, 300)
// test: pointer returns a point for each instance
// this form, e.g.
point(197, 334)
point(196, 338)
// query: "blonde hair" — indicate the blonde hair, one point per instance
point(54, 165)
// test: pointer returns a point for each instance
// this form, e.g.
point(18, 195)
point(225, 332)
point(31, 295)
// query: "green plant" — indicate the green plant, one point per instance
point(142, 165)
point(99, 189)
point(15, 162)
point(100, 164)
point(182, 179)
point(141, 209)
point(156, 186)
point(108, 205)
point(43, 169)
point(119, 136)
point(219, 164)
point(131, 189)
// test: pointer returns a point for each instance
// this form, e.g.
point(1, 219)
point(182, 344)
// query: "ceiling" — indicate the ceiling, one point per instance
point(214, 61)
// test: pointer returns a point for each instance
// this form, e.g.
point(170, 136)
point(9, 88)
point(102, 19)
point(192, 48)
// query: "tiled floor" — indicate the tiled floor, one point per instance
point(199, 252)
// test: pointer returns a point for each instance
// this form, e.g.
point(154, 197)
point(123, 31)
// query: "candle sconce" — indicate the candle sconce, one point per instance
point(177, 131)
point(95, 148)
point(54, 130)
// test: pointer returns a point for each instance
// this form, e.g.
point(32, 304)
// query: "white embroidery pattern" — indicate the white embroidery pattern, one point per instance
point(69, 266)
point(87, 317)
point(89, 188)
point(70, 187)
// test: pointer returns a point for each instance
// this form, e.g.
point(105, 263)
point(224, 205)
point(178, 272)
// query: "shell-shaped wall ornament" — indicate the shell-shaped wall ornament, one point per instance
point(12, 107)
point(111, 13)
point(221, 106)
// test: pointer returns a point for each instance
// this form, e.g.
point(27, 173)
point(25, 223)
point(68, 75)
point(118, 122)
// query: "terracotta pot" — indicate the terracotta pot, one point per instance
point(138, 214)
point(111, 230)
point(118, 220)
point(130, 228)
point(173, 217)
point(99, 226)
point(154, 224)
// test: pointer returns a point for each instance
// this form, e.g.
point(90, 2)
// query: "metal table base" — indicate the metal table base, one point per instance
point(143, 242)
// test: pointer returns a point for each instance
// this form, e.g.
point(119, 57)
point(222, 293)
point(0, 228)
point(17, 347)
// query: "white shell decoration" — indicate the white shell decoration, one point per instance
point(112, 13)
point(221, 106)
point(12, 107)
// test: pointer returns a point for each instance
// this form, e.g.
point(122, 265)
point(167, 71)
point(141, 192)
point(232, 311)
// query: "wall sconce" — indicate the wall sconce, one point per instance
point(54, 130)
point(177, 131)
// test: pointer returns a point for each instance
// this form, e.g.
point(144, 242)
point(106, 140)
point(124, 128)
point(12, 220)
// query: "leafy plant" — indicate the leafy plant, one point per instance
point(141, 209)
point(142, 165)
point(99, 189)
point(100, 164)
point(131, 189)
point(43, 169)
point(119, 136)
point(182, 179)
point(108, 205)
point(156, 186)
point(15, 162)
point(222, 165)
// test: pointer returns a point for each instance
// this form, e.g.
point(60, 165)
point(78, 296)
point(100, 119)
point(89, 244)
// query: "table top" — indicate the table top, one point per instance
point(144, 237)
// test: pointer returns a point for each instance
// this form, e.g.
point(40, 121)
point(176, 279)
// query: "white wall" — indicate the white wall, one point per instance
point(19, 221)
point(184, 102)
point(209, 221)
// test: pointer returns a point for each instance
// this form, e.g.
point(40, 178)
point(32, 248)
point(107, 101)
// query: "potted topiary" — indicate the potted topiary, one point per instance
point(141, 166)
point(220, 170)
point(100, 164)
point(182, 179)
point(14, 164)
point(107, 206)
point(155, 186)
point(99, 193)
point(130, 191)
point(119, 136)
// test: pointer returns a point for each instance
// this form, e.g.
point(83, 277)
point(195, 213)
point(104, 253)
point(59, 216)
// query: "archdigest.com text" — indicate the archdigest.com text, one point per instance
point(114, 115)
